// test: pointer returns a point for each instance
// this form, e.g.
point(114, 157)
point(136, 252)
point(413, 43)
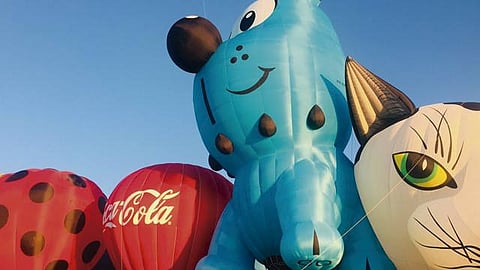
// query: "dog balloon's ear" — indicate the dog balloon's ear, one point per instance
point(374, 103)
point(191, 41)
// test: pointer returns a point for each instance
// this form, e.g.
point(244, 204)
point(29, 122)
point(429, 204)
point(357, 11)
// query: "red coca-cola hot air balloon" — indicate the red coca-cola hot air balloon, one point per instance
point(163, 216)
point(50, 220)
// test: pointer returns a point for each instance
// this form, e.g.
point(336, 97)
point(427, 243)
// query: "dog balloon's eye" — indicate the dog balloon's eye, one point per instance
point(421, 171)
point(254, 15)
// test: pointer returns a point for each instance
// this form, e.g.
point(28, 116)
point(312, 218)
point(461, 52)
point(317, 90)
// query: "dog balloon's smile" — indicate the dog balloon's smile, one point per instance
point(255, 86)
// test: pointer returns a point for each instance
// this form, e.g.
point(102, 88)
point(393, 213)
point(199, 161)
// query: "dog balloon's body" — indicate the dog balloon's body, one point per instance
point(271, 109)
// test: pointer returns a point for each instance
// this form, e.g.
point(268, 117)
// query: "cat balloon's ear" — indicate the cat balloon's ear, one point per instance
point(316, 2)
point(191, 41)
point(374, 103)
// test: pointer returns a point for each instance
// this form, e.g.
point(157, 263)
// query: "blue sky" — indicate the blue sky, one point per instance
point(87, 86)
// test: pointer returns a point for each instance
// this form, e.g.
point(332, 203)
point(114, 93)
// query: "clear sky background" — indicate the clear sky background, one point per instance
point(88, 86)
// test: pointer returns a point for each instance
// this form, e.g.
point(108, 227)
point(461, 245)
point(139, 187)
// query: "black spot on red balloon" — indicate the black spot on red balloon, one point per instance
point(77, 180)
point(17, 176)
point(90, 251)
point(32, 243)
point(57, 265)
point(3, 215)
point(41, 192)
point(74, 221)
point(102, 201)
point(105, 263)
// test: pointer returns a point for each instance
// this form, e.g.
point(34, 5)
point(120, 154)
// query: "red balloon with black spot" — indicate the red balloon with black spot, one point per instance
point(163, 217)
point(50, 220)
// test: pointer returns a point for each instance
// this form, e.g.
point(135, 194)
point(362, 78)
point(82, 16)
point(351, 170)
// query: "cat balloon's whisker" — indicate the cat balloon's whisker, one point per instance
point(460, 248)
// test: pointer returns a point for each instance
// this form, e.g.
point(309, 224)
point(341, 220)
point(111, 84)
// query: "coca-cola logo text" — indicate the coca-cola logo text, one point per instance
point(133, 211)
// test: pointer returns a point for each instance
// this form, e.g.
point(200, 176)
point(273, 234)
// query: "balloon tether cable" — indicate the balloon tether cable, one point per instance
point(204, 9)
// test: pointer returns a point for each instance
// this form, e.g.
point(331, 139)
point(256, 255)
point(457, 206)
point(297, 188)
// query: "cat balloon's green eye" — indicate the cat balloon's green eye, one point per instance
point(422, 171)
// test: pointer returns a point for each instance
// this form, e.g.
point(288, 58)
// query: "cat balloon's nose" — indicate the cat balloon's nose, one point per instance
point(191, 41)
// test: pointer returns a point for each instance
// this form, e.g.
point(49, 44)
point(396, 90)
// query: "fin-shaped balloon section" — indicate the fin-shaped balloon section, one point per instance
point(51, 219)
point(417, 173)
point(163, 216)
point(271, 108)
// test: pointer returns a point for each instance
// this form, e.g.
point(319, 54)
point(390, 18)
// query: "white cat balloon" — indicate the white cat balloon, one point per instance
point(418, 173)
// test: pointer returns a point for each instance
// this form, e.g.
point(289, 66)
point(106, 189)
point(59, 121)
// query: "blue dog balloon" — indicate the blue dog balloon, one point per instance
point(271, 109)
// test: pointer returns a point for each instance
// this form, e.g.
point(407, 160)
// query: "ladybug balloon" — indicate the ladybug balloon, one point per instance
point(50, 220)
point(163, 216)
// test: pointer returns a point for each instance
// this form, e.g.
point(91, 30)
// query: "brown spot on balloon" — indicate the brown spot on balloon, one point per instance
point(77, 180)
point(214, 164)
point(191, 41)
point(266, 126)
point(17, 176)
point(316, 118)
point(74, 221)
point(32, 243)
point(224, 144)
point(3, 216)
point(102, 201)
point(57, 265)
point(316, 244)
point(41, 192)
point(90, 251)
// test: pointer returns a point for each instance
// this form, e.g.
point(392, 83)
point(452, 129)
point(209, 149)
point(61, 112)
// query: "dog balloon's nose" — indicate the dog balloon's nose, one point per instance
point(191, 41)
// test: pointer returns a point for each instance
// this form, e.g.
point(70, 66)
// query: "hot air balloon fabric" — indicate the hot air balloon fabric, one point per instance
point(163, 216)
point(417, 173)
point(271, 109)
point(50, 220)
